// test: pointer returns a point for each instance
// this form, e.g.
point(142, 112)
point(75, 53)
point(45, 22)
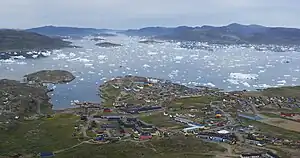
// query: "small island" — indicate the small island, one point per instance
point(97, 39)
point(50, 76)
point(106, 34)
point(150, 41)
point(108, 44)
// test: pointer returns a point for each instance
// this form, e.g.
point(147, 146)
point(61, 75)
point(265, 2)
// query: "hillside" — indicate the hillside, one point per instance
point(65, 31)
point(230, 34)
point(21, 41)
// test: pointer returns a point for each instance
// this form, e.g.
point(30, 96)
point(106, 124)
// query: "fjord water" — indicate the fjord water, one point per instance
point(229, 68)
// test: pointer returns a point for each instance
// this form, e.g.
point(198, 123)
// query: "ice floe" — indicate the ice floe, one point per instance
point(241, 76)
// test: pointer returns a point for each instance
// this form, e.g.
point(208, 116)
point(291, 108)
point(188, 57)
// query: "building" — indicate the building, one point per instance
point(218, 115)
point(152, 80)
point(193, 128)
point(255, 117)
point(99, 138)
point(105, 126)
point(145, 137)
point(182, 120)
point(107, 110)
point(251, 155)
point(282, 114)
point(111, 117)
point(271, 155)
point(47, 154)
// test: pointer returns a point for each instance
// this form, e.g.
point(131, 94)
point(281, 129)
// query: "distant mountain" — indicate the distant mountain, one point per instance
point(230, 34)
point(65, 31)
point(22, 41)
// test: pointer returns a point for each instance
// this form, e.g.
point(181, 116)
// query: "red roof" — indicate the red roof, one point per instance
point(287, 114)
point(145, 137)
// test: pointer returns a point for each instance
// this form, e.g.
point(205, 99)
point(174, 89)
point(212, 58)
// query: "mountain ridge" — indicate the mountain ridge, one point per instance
point(51, 30)
point(230, 34)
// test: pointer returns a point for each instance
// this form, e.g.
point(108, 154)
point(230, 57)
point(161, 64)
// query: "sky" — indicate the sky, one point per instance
point(124, 14)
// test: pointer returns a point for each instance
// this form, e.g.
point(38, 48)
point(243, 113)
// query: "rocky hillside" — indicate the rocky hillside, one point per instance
point(22, 99)
point(16, 41)
point(230, 34)
point(65, 31)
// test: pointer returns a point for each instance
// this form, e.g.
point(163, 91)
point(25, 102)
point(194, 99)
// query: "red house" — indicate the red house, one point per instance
point(143, 137)
point(107, 110)
point(282, 114)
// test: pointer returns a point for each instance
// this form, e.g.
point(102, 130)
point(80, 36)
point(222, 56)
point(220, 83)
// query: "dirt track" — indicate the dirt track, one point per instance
point(282, 123)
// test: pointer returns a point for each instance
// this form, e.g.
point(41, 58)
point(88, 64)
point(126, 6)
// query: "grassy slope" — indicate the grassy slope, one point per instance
point(282, 91)
point(276, 131)
point(160, 120)
point(200, 101)
point(178, 146)
point(109, 94)
point(31, 137)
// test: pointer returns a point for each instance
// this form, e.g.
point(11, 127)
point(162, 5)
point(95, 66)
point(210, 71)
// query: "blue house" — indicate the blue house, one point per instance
point(218, 112)
point(217, 139)
point(46, 154)
point(100, 138)
point(105, 126)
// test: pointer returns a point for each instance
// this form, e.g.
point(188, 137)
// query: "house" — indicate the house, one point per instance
point(271, 155)
point(218, 115)
point(152, 80)
point(127, 89)
point(107, 110)
point(251, 155)
point(130, 119)
point(217, 139)
point(193, 128)
point(282, 114)
point(218, 112)
point(46, 154)
point(112, 117)
point(137, 129)
point(145, 137)
point(105, 126)
point(100, 138)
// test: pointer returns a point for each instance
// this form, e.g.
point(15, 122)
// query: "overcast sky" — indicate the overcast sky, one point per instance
point(121, 14)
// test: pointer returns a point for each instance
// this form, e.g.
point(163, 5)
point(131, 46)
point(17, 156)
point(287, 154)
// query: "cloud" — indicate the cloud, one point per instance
point(138, 13)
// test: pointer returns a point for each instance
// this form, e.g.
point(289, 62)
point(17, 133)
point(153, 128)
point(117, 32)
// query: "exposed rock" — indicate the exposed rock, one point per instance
point(50, 76)
point(22, 99)
point(150, 41)
point(97, 39)
point(65, 31)
point(108, 44)
point(106, 34)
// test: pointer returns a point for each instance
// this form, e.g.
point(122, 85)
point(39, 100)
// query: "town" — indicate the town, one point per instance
point(141, 109)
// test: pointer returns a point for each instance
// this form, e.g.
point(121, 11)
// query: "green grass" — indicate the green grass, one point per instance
point(272, 130)
point(271, 115)
point(282, 91)
point(198, 102)
point(159, 120)
point(31, 137)
point(177, 147)
point(109, 94)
